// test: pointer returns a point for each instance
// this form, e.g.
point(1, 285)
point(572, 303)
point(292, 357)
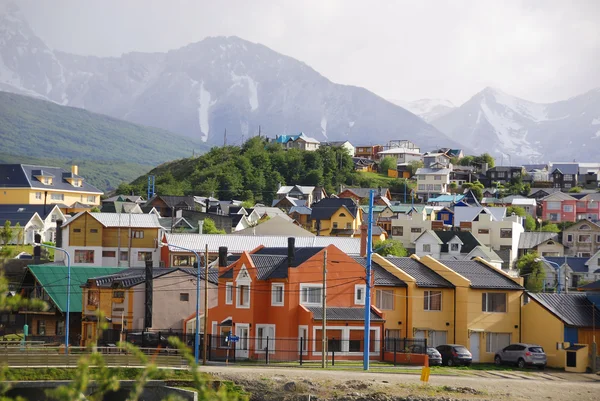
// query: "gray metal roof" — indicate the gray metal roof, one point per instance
point(480, 275)
point(383, 277)
point(23, 176)
point(428, 171)
point(241, 243)
point(531, 239)
point(424, 276)
point(134, 220)
point(565, 168)
point(133, 276)
point(344, 314)
point(574, 309)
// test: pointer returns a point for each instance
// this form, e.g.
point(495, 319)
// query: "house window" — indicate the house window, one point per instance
point(303, 334)
point(501, 174)
point(144, 256)
point(506, 233)
point(454, 247)
point(77, 230)
point(586, 238)
point(184, 260)
point(584, 254)
point(384, 299)
point(437, 178)
point(311, 294)
point(243, 295)
point(568, 208)
point(421, 187)
point(415, 229)
point(277, 294)
point(57, 197)
point(118, 294)
point(359, 294)
point(93, 230)
point(184, 297)
point(91, 199)
point(569, 237)
point(53, 218)
point(265, 336)
point(109, 254)
point(46, 180)
point(437, 187)
point(584, 227)
point(554, 217)
point(60, 328)
point(138, 234)
point(436, 338)
point(93, 297)
point(335, 224)
point(483, 231)
point(493, 302)
point(397, 231)
point(41, 329)
point(553, 205)
point(598, 238)
point(426, 247)
point(38, 195)
point(432, 300)
point(568, 177)
point(84, 256)
point(496, 341)
point(229, 293)
point(124, 256)
point(348, 226)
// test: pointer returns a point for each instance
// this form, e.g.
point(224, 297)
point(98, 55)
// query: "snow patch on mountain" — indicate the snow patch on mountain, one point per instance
point(252, 88)
point(324, 126)
point(204, 99)
point(427, 109)
point(534, 111)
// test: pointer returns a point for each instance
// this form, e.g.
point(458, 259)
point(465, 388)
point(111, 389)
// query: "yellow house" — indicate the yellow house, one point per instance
point(487, 302)
point(336, 217)
point(554, 321)
point(39, 185)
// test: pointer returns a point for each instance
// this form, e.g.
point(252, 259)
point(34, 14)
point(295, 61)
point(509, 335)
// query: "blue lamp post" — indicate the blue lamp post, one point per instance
point(198, 278)
point(556, 266)
point(68, 292)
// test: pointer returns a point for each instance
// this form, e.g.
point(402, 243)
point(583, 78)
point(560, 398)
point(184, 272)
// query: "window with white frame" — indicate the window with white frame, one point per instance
point(265, 336)
point(277, 294)
point(229, 293)
point(311, 294)
point(432, 300)
point(568, 208)
point(57, 197)
point(553, 205)
point(359, 294)
point(384, 299)
point(496, 341)
point(569, 237)
point(454, 247)
point(586, 238)
point(38, 195)
point(493, 302)
point(91, 199)
point(242, 293)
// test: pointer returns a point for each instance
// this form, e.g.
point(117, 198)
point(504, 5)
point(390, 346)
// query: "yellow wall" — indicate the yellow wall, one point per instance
point(395, 319)
point(543, 328)
point(327, 225)
point(110, 237)
point(15, 196)
point(85, 223)
point(10, 196)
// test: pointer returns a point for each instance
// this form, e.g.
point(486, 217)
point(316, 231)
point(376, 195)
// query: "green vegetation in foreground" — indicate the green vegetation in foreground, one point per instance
point(31, 374)
point(33, 129)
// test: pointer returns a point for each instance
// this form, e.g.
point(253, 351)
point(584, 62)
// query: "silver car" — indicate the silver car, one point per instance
point(522, 355)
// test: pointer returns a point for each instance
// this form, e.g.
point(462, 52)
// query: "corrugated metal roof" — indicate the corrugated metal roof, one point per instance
point(382, 277)
point(574, 309)
point(565, 168)
point(480, 275)
point(531, 239)
point(241, 243)
point(133, 220)
point(343, 314)
point(54, 281)
point(133, 276)
point(576, 264)
point(424, 276)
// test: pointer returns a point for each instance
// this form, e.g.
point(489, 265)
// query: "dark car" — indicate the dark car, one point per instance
point(521, 355)
point(435, 358)
point(147, 340)
point(454, 354)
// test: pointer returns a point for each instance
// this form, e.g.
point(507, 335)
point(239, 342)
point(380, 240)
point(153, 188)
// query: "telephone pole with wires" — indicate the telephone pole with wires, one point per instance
point(324, 301)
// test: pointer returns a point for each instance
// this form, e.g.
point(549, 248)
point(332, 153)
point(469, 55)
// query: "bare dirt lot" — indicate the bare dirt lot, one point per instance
point(269, 383)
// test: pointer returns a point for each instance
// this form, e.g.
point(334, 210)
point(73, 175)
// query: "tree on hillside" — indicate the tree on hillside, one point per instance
point(389, 247)
point(476, 187)
point(485, 158)
point(414, 165)
point(530, 267)
point(519, 211)
point(550, 227)
point(388, 163)
point(6, 232)
point(209, 227)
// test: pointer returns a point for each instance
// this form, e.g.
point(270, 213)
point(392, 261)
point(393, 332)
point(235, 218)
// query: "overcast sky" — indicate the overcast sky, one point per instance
point(540, 50)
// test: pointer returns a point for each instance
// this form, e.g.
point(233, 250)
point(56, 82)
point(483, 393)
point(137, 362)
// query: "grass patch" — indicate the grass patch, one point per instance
point(32, 374)
point(376, 177)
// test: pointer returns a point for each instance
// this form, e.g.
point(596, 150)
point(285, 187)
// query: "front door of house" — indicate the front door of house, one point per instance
point(474, 346)
point(241, 347)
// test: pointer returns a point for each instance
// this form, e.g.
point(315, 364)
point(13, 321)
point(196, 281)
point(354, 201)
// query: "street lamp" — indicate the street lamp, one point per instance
point(68, 291)
point(556, 265)
point(197, 337)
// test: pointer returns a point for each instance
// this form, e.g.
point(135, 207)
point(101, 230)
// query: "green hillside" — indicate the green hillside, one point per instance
point(110, 151)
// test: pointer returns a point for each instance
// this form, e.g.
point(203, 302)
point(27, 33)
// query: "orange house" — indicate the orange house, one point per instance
point(271, 300)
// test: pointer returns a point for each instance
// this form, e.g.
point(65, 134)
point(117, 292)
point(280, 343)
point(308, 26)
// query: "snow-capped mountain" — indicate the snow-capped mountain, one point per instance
point(205, 88)
point(501, 124)
point(427, 109)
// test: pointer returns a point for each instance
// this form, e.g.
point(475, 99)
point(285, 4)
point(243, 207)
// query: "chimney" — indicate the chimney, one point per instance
point(59, 228)
point(291, 251)
point(149, 284)
point(222, 256)
point(484, 168)
point(200, 226)
point(74, 170)
point(37, 250)
point(364, 232)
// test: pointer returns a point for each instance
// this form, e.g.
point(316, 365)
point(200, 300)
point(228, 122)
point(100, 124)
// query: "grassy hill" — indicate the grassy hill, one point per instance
point(109, 151)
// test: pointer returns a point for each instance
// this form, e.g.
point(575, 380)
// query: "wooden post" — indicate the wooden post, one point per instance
point(205, 337)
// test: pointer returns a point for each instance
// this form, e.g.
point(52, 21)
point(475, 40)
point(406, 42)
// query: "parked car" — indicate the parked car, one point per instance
point(454, 354)
point(147, 340)
point(522, 355)
point(435, 358)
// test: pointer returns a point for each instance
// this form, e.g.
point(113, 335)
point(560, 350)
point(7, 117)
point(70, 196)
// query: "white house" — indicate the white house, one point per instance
point(432, 182)
point(32, 219)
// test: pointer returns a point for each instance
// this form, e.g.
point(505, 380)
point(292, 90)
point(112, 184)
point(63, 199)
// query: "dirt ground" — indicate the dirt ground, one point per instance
point(297, 384)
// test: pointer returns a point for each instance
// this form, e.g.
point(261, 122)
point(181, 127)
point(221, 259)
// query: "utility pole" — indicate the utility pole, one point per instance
point(324, 328)
point(367, 335)
point(225, 138)
point(205, 341)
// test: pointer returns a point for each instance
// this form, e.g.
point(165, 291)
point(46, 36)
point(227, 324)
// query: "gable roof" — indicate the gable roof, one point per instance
point(133, 276)
point(284, 138)
point(488, 254)
point(467, 213)
point(579, 223)
point(276, 225)
point(292, 201)
point(595, 286)
point(531, 239)
point(300, 210)
point(574, 309)
point(424, 276)
point(565, 168)
point(365, 192)
point(446, 198)
point(285, 189)
point(430, 171)
point(23, 176)
point(340, 313)
point(21, 218)
point(41, 210)
point(326, 207)
point(54, 281)
point(467, 238)
point(172, 201)
point(576, 264)
point(558, 195)
point(382, 277)
point(480, 275)
point(134, 220)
